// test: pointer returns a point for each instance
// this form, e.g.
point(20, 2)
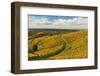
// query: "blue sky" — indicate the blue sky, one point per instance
point(51, 20)
point(31, 17)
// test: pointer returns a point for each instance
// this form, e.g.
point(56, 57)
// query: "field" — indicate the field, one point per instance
point(57, 44)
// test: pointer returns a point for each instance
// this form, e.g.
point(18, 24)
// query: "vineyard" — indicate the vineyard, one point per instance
point(58, 45)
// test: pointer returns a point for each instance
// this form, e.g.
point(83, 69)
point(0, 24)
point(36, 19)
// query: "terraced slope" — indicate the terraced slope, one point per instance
point(78, 46)
point(45, 47)
point(59, 46)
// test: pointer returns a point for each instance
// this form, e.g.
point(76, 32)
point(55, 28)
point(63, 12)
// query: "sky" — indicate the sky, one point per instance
point(57, 22)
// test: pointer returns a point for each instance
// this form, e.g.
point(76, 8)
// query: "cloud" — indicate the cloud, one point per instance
point(42, 21)
point(74, 23)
